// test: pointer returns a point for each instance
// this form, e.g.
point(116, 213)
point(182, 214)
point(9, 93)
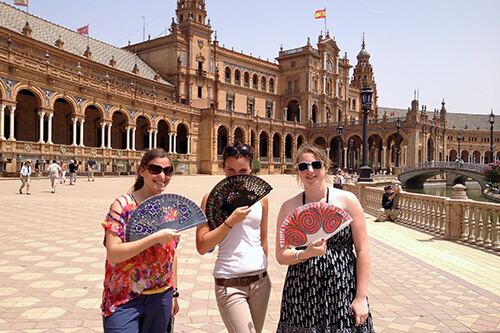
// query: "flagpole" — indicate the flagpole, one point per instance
point(325, 22)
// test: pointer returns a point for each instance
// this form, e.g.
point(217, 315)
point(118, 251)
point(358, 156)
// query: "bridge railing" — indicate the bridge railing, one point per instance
point(476, 167)
point(461, 219)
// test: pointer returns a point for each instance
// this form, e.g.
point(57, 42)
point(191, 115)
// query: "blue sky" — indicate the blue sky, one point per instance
point(445, 49)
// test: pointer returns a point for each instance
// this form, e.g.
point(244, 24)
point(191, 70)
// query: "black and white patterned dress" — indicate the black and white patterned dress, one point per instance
point(318, 293)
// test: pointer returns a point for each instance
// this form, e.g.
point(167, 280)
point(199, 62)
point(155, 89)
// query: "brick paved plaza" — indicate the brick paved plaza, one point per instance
point(52, 264)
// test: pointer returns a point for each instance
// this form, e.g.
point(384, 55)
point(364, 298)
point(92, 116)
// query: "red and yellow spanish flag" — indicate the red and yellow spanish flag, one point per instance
point(320, 14)
point(83, 30)
point(21, 3)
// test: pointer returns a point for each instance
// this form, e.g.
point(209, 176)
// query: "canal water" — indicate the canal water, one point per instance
point(473, 190)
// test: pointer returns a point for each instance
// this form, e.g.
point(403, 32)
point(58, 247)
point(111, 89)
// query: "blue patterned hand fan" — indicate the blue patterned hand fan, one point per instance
point(163, 211)
point(311, 222)
point(231, 193)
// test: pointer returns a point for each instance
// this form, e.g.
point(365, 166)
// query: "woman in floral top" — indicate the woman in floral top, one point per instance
point(141, 276)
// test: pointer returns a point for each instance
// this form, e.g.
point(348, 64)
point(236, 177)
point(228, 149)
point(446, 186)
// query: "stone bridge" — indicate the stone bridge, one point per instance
point(456, 173)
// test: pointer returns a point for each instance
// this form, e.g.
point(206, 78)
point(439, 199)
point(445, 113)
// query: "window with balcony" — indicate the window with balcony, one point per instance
point(246, 79)
point(237, 77)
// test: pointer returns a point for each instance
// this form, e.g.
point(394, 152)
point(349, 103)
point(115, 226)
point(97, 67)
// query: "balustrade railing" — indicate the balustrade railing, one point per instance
point(465, 220)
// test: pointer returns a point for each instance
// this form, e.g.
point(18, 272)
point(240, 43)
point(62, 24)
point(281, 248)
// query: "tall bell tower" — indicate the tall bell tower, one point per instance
point(363, 76)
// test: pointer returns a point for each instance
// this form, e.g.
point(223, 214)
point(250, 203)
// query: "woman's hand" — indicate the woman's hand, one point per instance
point(359, 310)
point(166, 235)
point(175, 307)
point(315, 249)
point(238, 215)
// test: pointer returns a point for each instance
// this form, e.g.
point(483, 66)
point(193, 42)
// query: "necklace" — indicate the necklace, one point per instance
point(304, 196)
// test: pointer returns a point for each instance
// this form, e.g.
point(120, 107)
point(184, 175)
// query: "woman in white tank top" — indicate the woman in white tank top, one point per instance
point(242, 286)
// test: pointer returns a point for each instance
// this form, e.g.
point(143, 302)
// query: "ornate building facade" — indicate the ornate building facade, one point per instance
point(67, 96)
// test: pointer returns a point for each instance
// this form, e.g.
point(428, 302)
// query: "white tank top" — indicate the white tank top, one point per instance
point(240, 252)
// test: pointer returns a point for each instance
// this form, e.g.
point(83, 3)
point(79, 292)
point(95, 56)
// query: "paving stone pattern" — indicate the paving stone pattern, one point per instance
point(52, 264)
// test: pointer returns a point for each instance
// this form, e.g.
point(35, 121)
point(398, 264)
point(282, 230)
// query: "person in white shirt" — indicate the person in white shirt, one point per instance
point(25, 176)
point(54, 171)
point(242, 285)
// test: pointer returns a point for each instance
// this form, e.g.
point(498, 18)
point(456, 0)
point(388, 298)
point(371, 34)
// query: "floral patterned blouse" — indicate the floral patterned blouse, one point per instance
point(149, 270)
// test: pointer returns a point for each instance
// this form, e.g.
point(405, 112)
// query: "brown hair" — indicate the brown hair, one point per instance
point(148, 156)
point(318, 152)
point(237, 150)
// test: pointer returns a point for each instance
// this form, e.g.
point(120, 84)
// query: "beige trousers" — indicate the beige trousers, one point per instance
point(243, 309)
point(25, 181)
point(392, 213)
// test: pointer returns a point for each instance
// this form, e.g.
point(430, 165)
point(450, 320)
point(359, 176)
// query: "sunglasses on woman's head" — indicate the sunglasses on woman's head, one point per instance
point(316, 165)
point(156, 170)
point(233, 151)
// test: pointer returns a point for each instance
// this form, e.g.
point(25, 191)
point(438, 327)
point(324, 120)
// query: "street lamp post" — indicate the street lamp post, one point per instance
point(492, 121)
point(398, 151)
point(339, 146)
point(366, 102)
point(351, 156)
point(459, 138)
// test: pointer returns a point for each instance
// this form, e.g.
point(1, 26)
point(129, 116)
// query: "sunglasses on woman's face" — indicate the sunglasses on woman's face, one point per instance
point(303, 166)
point(232, 151)
point(156, 170)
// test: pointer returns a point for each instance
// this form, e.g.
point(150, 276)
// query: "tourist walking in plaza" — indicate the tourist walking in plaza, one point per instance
point(54, 171)
point(25, 176)
point(140, 284)
point(37, 169)
point(90, 172)
point(72, 172)
point(326, 283)
point(242, 286)
point(63, 172)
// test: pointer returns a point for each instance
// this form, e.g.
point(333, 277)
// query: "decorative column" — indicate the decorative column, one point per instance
point(155, 138)
point(2, 121)
point(11, 136)
point(103, 132)
point(175, 143)
point(128, 137)
point(109, 135)
point(81, 132)
point(49, 128)
point(189, 144)
point(74, 131)
point(384, 157)
point(133, 138)
point(170, 142)
point(150, 144)
point(41, 115)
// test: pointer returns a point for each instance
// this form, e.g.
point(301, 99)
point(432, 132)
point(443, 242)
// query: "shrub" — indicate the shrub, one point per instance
point(256, 166)
point(492, 174)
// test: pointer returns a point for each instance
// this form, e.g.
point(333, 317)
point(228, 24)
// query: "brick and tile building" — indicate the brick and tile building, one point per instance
point(64, 95)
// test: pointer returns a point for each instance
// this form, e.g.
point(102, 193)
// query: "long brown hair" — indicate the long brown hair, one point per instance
point(148, 156)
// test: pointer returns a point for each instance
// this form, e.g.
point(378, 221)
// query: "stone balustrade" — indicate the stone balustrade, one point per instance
point(456, 218)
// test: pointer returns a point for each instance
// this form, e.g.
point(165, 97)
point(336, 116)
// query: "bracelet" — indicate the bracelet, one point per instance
point(297, 256)
point(228, 225)
point(175, 293)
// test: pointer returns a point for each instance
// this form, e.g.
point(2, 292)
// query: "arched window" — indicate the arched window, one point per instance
point(255, 81)
point(237, 77)
point(271, 85)
point(228, 74)
point(263, 83)
point(246, 79)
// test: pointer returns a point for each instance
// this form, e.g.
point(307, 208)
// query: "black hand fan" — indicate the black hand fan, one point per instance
point(231, 193)
point(163, 211)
